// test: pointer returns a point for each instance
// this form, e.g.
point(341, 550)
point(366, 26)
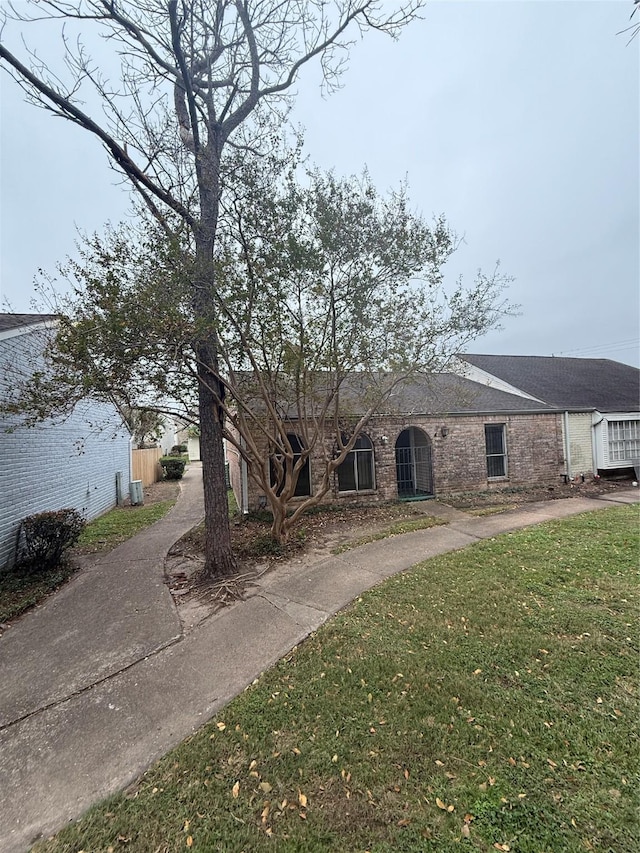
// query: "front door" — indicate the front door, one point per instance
point(414, 468)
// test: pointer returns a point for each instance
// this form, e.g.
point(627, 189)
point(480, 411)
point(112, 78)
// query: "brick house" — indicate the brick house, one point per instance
point(438, 436)
point(599, 400)
point(69, 462)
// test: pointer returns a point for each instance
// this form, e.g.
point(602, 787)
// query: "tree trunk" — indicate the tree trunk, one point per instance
point(279, 531)
point(219, 559)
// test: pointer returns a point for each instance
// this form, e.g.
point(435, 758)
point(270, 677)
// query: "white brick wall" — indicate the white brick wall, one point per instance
point(57, 464)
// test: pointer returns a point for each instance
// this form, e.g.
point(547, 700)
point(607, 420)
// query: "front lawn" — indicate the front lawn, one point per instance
point(486, 700)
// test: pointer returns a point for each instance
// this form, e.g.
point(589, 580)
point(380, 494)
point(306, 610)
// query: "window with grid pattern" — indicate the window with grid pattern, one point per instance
point(496, 449)
point(624, 440)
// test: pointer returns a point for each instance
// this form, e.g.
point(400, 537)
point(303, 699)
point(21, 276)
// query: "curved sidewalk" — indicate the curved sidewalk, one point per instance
point(99, 681)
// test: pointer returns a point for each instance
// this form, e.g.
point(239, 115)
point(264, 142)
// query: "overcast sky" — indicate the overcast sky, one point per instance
point(517, 120)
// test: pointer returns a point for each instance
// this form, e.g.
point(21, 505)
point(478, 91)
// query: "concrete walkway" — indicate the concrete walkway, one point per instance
point(99, 681)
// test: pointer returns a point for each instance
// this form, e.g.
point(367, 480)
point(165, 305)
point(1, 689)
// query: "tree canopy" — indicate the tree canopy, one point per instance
point(328, 296)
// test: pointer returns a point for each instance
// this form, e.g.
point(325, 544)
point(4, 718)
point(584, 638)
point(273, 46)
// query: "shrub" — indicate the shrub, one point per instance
point(45, 536)
point(173, 467)
point(178, 449)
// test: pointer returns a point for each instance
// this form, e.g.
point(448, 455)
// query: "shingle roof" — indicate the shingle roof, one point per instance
point(571, 383)
point(16, 321)
point(447, 393)
point(438, 393)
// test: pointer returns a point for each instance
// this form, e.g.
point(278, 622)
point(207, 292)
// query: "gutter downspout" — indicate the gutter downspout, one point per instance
point(121, 491)
point(594, 439)
point(567, 445)
point(244, 488)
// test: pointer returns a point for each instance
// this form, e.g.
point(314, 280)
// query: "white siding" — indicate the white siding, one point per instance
point(580, 444)
point(56, 464)
point(607, 460)
point(477, 374)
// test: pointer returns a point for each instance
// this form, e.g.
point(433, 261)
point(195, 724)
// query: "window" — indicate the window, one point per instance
point(624, 440)
point(494, 437)
point(355, 474)
point(303, 486)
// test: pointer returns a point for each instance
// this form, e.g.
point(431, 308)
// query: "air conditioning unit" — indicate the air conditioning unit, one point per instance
point(135, 493)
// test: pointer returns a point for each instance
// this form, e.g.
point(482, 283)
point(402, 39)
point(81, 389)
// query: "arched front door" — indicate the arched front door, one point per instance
point(414, 469)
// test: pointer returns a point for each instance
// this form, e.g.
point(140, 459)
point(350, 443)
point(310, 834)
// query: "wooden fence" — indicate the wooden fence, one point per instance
point(145, 465)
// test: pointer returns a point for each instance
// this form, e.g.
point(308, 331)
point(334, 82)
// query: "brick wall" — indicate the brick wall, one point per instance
point(69, 463)
point(533, 442)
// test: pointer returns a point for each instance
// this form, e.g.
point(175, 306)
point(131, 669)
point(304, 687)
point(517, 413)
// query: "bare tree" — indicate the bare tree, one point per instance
point(196, 78)
point(633, 28)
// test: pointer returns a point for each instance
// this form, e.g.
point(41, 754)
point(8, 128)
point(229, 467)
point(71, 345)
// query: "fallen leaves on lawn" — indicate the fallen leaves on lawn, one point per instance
point(444, 806)
point(466, 826)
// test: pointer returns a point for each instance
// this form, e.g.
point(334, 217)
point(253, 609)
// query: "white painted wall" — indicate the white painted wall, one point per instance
point(581, 444)
point(193, 448)
point(54, 465)
point(169, 437)
point(477, 374)
point(601, 427)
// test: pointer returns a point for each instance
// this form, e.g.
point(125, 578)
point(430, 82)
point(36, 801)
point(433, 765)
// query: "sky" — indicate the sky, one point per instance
point(517, 119)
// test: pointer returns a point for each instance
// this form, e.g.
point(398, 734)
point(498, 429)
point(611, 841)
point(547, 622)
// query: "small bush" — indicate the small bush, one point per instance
point(173, 467)
point(44, 537)
point(177, 449)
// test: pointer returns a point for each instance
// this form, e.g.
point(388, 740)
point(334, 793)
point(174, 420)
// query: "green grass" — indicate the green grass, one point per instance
point(120, 524)
point(20, 591)
point(399, 527)
point(487, 697)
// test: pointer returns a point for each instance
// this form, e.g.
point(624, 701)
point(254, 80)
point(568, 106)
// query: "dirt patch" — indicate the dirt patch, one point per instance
point(324, 529)
point(320, 531)
point(164, 490)
point(515, 497)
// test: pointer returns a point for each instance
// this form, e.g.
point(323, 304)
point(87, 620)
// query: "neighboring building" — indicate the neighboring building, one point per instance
point(435, 437)
point(599, 400)
point(59, 463)
point(189, 435)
